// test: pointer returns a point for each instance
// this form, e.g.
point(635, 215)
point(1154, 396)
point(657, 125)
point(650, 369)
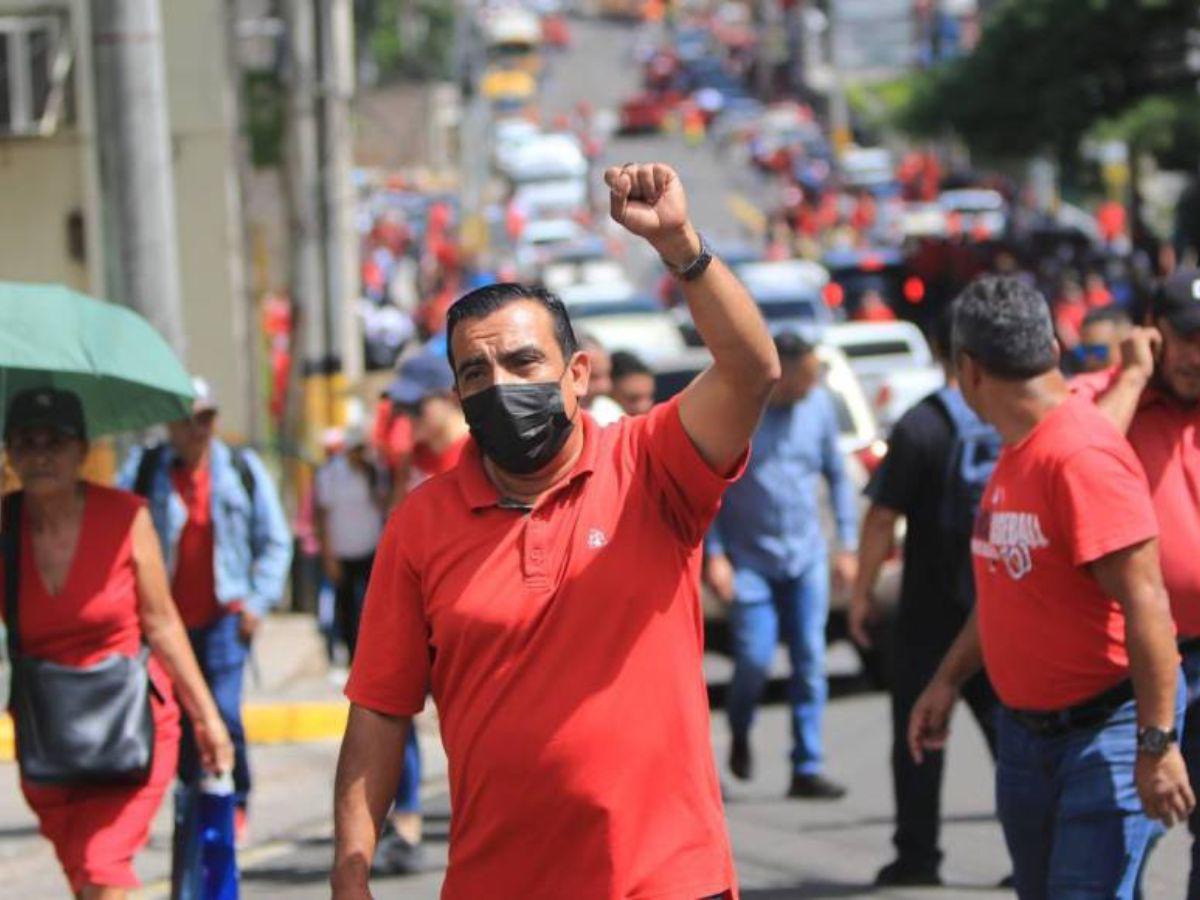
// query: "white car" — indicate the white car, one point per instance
point(893, 363)
point(867, 167)
point(980, 210)
point(546, 199)
point(616, 316)
point(509, 136)
point(547, 157)
point(563, 277)
point(541, 238)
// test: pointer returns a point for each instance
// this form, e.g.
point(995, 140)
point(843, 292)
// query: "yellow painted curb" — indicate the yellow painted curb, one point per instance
point(266, 723)
point(747, 214)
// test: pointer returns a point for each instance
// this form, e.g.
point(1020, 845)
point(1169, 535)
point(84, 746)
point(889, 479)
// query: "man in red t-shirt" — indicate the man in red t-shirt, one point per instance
point(546, 590)
point(1072, 622)
point(1154, 397)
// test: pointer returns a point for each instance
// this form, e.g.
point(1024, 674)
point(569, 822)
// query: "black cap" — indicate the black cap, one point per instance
point(46, 408)
point(1178, 300)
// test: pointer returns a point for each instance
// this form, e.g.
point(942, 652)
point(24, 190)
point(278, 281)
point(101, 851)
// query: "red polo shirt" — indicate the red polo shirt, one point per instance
point(1070, 493)
point(563, 647)
point(1165, 436)
point(194, 586)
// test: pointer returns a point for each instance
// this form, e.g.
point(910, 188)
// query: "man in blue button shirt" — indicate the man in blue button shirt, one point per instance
point(769, 560)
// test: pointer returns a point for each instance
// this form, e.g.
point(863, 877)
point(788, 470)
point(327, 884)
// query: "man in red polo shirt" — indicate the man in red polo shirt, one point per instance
point(1071, 621)
point(1158, 407)
point(546, 591)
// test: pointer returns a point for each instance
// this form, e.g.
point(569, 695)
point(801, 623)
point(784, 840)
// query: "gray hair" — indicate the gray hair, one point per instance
point(1005, 326)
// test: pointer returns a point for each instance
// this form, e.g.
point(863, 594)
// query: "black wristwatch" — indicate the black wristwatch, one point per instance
point(697, 266)
point(1156, 741)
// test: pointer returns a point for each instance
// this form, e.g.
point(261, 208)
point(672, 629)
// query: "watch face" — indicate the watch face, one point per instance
point(1155, 740)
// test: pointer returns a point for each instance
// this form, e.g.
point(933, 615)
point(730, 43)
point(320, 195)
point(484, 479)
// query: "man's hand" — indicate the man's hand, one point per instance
point(845, 571)
point(863, 613)
point(929, 724)
point(212, 740)
point(1139, 352)
point(1162, 785)
point(718, 573)
point(248, 624)
point(648, 200)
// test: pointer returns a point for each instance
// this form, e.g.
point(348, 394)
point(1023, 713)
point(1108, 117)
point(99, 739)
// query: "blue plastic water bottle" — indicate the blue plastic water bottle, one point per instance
point(218, 853)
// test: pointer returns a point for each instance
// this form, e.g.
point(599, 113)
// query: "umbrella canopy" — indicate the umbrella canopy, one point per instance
point(122, 370)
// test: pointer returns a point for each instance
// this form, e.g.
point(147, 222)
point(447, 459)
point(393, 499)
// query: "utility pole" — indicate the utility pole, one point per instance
point(302, 175)
point(137, 185)
point(336, 30)
point(246, 320)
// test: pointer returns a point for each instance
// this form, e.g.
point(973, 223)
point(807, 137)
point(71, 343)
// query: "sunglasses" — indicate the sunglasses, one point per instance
point(1098, 353)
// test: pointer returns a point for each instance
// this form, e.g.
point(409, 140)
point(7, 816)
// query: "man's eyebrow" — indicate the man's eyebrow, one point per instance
point(477, 359)
point(509, 357)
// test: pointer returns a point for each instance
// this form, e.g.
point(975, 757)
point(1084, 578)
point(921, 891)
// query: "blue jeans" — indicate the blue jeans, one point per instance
point(408, 796)
point(1070, 810)
point(794, 610)
point(222, 657)
point(1190, 745)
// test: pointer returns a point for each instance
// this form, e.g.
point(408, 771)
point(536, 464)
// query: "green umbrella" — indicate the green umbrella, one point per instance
point(124, 373)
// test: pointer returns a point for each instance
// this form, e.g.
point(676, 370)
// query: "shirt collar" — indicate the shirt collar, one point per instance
point(478, 490)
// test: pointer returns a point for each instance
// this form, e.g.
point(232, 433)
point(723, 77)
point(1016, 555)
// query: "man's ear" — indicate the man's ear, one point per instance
point(579, 370)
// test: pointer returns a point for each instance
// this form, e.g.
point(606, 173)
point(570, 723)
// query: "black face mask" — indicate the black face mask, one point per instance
point(521, 427)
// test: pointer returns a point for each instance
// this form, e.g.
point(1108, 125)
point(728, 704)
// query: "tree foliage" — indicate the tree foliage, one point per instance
point(1045, 71)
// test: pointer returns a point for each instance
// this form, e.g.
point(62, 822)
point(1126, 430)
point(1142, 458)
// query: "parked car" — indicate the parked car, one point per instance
point(863, 449)
point(550, 199)
point(540, 238)
point(790, 294)
point(621, 319)
point(869, 168)
point(547, 157)
point(983, 213)
point(893, 363)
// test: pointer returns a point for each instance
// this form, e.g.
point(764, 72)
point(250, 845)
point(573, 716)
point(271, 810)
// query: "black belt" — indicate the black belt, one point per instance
point(1088, 714)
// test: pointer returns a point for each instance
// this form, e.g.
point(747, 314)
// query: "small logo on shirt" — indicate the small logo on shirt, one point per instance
point(597, 539)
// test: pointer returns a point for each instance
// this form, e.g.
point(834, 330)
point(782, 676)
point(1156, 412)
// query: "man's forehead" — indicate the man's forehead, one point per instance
point(517, 324)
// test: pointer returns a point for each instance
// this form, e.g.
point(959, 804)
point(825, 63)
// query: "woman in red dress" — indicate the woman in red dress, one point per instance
point(93, 584)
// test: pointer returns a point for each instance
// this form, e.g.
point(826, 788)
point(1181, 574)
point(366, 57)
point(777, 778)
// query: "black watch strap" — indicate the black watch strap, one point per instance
point(696, 267)
point(1156, 741)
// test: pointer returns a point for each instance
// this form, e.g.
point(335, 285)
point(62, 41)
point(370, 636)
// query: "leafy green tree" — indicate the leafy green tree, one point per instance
point(1046, 71)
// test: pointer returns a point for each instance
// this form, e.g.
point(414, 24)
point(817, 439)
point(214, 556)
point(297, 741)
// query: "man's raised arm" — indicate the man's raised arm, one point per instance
point(720, 409)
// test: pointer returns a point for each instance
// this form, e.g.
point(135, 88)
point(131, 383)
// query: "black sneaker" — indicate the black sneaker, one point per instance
point(741, 760)
point(396, 856)
point(904, 874)
point(1007, 883)
point(815, 787)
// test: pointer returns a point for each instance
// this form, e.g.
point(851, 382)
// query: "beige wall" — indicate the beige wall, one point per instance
point(41, 184)
point(42, 181)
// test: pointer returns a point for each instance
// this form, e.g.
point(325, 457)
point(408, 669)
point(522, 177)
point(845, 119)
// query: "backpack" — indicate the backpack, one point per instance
point(969, 465)
point(152, 459)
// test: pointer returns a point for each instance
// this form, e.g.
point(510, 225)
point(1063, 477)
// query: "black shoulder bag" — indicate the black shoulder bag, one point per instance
point(74, 725)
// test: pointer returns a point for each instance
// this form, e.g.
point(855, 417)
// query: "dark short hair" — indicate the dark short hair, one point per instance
point(625, 364)
point(1005, 326)
point(1112, 314)
point(791, 347)
point(482, 302)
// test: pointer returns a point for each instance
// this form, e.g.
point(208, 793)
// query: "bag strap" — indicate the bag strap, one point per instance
point(960, 415)
point(237, 456)
point(147, 467)
point(10, 538)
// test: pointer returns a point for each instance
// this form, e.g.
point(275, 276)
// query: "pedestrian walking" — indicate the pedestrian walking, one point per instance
point(939, 458)
point(226, 543)
point(350, 495)
point(768, 558)
point(632, 383)
point(1152, 396)
point(598, 401)
point(570, 695)
point(424, 393)
point(1072, 621)
point(85, 593)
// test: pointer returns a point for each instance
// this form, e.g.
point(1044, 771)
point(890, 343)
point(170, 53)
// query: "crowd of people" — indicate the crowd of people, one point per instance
point(480, 543)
